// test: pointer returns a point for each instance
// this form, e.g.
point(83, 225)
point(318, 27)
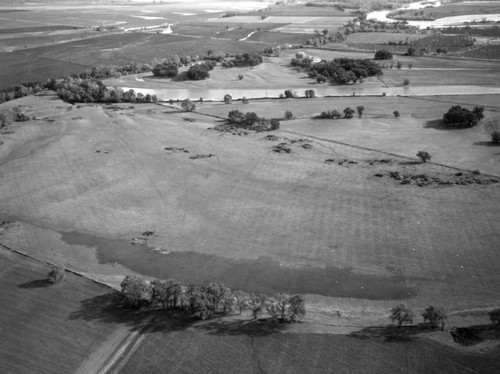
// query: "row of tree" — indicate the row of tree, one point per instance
point(401, 314)
point(335, 114)
point(204, 302)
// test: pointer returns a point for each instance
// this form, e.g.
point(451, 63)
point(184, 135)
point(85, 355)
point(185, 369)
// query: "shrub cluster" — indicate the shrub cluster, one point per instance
point(383, 54)
point(203, 302)
point(252, 121)
point(457, 116)
point(201, 71)
point(167, 69)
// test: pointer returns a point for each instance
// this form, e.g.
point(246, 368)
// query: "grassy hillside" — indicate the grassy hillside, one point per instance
point(38, 333)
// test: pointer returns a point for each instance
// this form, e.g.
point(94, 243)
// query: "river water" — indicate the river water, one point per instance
point(438, 23)
point(341, 90)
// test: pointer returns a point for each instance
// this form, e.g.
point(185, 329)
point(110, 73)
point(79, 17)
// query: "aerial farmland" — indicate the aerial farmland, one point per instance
point(239, 187)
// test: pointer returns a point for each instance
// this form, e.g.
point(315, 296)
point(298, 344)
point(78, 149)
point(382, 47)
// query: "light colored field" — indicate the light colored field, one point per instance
point(317, 23)
point(43, 329)
point(248, 202)
point(378, 129)
point(381, 37)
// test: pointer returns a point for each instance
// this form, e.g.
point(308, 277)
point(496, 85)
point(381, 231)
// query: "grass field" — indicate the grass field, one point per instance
point(224, 349)
point(314, 208)
point(38, 333)
point(381, 37)
point(231, 207)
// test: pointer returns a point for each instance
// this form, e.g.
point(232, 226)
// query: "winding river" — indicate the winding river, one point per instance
point(438, 23)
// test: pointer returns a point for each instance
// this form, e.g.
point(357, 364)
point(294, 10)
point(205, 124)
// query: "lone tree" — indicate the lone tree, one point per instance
point(402, 315)
point(406, 82)
point(383, 54)
point(424, 156)
point(240, 77)
point(244, 100)
point(56, 275)
point(348, 112)
point(310, 93)
point(495, 137)
point(289, 94)
point(228, 99)
point(360, 110)
point(495, 317)
point(288, 115)
point(435, 316)
point(396, 114)
point(188, 105)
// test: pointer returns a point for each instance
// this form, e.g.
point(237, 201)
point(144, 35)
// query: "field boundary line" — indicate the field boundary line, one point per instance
point(357, 146)
point(54, 264)
point(449, 102)
point(384, 152)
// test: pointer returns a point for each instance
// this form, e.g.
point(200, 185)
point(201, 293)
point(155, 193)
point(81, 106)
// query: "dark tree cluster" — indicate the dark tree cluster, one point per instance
point(200, 71)
point(345, 70)
point(245, 59)
point(335, 114)
point(22, 90)
point(205, 302)
point(252, 121)
point(91, 90)
point(167, 69)
point(383, 54)
point(457, 116)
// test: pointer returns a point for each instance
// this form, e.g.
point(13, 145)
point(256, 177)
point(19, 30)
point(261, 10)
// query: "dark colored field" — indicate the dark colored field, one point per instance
point(40, 64)
point(229, 348)
point(302, 10)
point(476, 31)
point(38, 335)
point(23, 66)
point(280, 37)
point(491, 52)
point(16, 30)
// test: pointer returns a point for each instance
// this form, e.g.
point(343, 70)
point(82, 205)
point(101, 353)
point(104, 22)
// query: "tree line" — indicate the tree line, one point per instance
point(207, 301)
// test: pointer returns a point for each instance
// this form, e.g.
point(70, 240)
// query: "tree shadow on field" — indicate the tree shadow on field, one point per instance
point(487, 144)
point(391, 333)
point(111, 308)
point(260, 327)
point(38, 283)
point(438, 124)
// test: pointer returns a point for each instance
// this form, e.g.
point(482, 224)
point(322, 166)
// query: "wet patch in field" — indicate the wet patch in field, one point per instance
point(262, 275)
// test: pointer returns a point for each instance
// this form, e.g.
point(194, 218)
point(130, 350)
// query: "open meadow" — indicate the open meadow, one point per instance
point(341, 211)
point(40, 331)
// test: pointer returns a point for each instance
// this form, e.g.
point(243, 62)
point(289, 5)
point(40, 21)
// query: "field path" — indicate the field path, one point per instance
point(114, 352)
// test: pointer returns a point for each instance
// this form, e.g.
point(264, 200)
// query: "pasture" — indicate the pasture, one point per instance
point(232, 347)
point(39, 331)
point(313, 219)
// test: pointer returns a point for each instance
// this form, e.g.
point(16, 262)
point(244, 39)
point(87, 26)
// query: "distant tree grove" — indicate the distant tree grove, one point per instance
point(207, 301)
point(338, 70)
